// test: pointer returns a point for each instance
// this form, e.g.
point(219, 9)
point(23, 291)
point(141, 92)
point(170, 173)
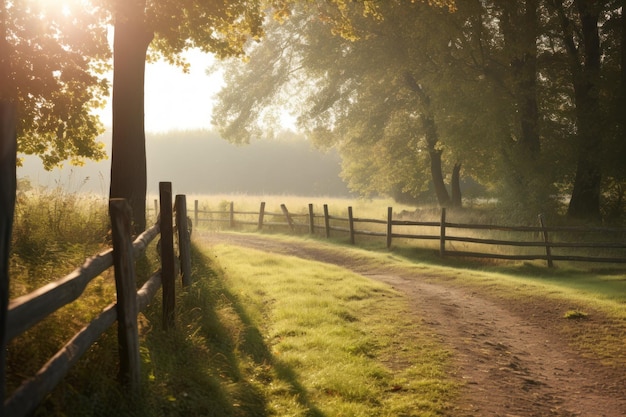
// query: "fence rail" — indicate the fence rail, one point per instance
point(28, 310)
point(547, 238)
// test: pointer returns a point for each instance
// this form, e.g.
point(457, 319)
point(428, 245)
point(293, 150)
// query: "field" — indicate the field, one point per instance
point(266, 334)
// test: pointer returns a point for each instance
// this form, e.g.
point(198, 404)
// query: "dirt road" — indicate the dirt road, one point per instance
point(511, 356)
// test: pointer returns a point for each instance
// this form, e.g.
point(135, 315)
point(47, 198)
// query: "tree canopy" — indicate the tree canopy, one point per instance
point(515, 92)
point(53, 62)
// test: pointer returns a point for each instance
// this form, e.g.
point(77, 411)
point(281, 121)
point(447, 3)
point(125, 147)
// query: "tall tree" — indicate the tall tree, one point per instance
point(50, 79)
point(501, 86)
point(128, 153)
point(170, 27)
point(582, 44)
point(8, 148)
point(353, 92)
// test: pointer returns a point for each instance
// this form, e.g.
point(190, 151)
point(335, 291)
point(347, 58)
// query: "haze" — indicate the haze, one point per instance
point(200, 162)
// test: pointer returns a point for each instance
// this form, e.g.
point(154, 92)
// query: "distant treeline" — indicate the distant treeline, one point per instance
point(200, 162)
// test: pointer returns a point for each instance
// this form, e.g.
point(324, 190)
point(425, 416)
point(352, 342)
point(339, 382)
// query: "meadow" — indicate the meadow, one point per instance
point(261, 335)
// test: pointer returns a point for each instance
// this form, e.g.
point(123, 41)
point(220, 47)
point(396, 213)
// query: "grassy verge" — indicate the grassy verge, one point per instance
point(587, 307)
point(329, 342)
point(269, 335)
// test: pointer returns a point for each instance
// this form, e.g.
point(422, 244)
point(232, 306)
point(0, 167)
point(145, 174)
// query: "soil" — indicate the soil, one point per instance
point(512, 357)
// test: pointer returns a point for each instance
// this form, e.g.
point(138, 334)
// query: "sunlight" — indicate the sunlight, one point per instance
point(62, 8)
point(66, 11)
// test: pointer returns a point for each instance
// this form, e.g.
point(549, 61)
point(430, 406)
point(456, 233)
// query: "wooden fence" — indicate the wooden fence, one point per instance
point(550, 243)
point(28, 310)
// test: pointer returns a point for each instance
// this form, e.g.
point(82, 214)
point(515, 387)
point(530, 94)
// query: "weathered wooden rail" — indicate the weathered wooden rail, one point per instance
point(551, 241)
point(28, 310)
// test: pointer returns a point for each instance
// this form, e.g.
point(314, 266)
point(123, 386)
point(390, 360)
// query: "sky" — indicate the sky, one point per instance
point(175, 100)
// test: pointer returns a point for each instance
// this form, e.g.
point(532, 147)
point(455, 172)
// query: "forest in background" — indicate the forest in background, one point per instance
point(200, 162)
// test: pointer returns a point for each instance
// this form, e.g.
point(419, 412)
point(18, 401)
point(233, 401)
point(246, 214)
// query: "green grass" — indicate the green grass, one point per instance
point(262, 335)
point(336, 343)
point(601, 294)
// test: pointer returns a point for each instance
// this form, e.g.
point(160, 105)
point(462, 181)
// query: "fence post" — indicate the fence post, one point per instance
point(287, 216)
point(231, 215)
point(8, 156)
point(442, 235)
point(184, 239)
point(261, 215)
point(326, 221)
point(311, 220)
point(546, 240)
point(167, 255)
point(351, 224)
point(126, 288)
point(195, 213)
point(156, 209)
point(389, 224)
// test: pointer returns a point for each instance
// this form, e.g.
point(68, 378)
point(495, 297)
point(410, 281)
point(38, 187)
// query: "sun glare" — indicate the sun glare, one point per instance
point(60, 8)
point(66, 10)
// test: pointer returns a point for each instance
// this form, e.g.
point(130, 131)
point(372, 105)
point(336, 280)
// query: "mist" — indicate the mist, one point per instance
point(200, 162)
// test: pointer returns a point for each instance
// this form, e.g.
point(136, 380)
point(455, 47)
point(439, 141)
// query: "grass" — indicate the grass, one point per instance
point(336, 343)
point(261, 335)
point(601, 294)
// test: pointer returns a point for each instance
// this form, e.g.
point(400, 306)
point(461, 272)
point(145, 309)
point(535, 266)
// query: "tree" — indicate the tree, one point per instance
point(351, 91)
point(170, 27)
point(53, 61)
point(492, 86)
point(585, 65)
point(47, 87)
point(591, 40)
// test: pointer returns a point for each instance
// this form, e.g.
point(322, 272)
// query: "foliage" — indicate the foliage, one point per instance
point(55, 59)
point(491, 85)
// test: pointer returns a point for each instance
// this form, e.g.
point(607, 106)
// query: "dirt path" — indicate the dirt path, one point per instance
point(513, 363)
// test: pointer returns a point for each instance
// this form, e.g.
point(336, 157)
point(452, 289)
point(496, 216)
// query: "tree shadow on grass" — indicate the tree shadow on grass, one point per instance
point(215, 362)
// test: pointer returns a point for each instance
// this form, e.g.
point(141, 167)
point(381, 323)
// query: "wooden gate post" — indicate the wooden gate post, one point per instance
point(311, 220)
point(8, 156)
point(351, 225)
point(168, 274)
point(231, 216)
point(326, 221)
point(389, 224)
point(195, 214)
point(261, 215)
point(287, 216)
point(184, 239)
point(442, 234)
point(546, 240)
point(126, 287)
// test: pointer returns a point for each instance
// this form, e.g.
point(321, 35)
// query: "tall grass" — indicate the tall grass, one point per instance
point(54, 231)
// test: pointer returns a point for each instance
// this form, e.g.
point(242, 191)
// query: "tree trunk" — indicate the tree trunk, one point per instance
point(437, 176)
point(585, 201)
point(527, 84)
point(455, 185)
point(128, 156)
point(8, 154)
point(432, 138)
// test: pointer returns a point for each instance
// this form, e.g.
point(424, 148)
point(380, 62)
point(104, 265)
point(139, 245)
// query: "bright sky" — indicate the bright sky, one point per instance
point(175, 100)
